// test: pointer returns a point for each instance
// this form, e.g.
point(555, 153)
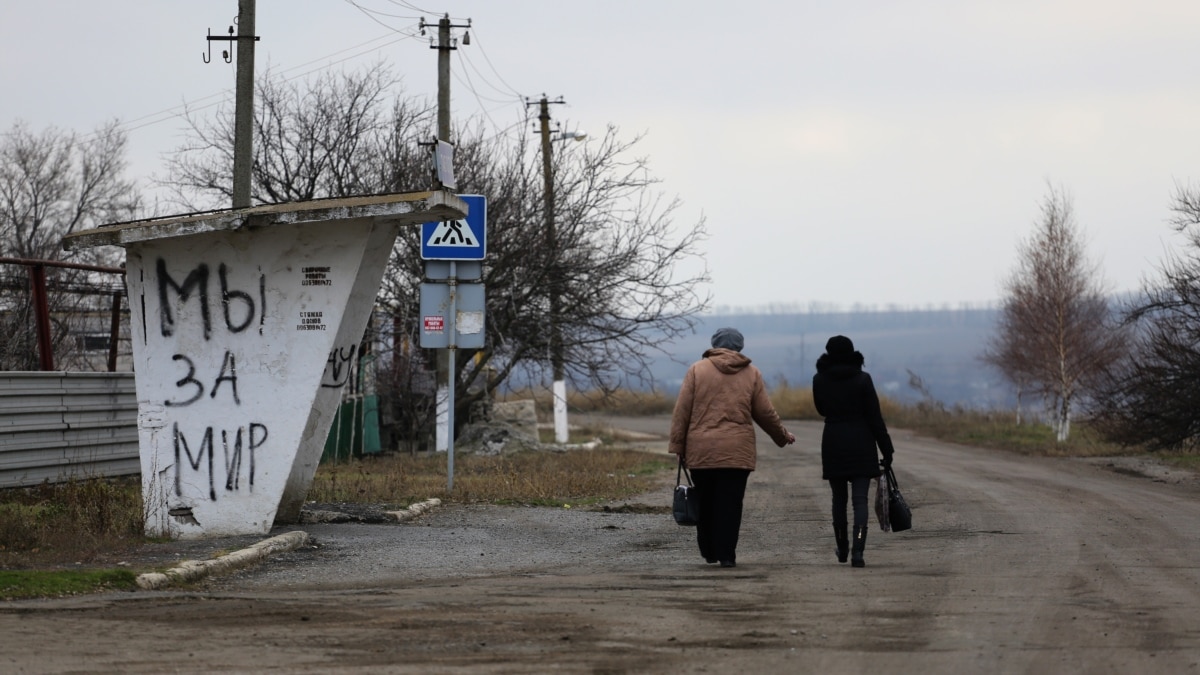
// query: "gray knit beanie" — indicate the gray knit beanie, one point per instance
point(729, 338)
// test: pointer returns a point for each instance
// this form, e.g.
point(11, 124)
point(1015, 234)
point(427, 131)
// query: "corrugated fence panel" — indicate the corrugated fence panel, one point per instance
point(57, 426)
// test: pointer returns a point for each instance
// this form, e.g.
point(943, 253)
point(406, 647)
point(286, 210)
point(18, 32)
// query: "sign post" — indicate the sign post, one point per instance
point(452, 314)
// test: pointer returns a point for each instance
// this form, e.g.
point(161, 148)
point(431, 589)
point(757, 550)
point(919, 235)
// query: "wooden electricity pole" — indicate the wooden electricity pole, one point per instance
point(557, 362)
point(243, 115)
point(444, 44)
point(243, 121)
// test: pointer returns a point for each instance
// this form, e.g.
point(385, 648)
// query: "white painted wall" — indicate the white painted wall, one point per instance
point(242, 340)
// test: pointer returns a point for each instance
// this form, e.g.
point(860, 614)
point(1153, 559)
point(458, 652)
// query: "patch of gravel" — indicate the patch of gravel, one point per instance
point(468, 540)
point(347, 512)
point(1144, 467)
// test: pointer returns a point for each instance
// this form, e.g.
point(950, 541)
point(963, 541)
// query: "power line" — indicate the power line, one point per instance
point(223, 96)
point(471, 67)
point(409, 5)
point(371, 14)
point(488, 105)
point(493, 67)
point(466, 80)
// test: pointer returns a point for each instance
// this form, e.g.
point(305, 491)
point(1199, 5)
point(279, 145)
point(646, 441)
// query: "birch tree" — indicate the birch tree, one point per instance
point(1056, 335)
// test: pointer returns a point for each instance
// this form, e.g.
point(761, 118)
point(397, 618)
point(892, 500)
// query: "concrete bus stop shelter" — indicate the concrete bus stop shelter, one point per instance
point(240, 323)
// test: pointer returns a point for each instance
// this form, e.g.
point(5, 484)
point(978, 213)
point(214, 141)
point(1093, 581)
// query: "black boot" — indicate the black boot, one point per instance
point(843, 541)
point(860, 543)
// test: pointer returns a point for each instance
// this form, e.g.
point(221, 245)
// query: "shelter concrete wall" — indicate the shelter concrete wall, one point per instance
point(240, 342)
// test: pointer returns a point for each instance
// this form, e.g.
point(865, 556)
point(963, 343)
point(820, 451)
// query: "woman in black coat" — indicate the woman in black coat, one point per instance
point(845, 396)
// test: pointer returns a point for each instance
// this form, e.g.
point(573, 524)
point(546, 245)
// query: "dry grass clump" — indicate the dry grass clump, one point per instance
point(998, 429)
point(531, 477)
point(618, 402)
point(793, 403)
point(70, 522)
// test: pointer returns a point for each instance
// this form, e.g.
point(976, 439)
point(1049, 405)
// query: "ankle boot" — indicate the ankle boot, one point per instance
point(843, 541)
point(860, 543)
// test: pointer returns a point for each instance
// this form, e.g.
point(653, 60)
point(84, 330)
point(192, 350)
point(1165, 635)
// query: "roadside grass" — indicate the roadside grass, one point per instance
point(995, 429)
point(616, 402)
point(57, 539)
point(1182, 460)
point(791, 403)
point(537, 478)
point(21, 584)
point(999, 430)
point(76, 522)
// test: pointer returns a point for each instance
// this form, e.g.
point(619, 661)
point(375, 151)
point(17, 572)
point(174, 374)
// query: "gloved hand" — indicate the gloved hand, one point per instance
point(886, 462)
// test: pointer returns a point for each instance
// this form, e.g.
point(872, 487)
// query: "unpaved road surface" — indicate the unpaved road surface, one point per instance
point(1015, 565)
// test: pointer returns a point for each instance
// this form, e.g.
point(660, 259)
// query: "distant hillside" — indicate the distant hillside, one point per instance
point(941, 346)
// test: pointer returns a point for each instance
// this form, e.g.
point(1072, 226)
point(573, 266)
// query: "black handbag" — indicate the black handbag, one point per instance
point(686, 506)
point(899, 515)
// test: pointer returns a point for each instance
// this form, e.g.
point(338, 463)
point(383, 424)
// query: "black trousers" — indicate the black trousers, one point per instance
point(721, 492)
point(858, 495)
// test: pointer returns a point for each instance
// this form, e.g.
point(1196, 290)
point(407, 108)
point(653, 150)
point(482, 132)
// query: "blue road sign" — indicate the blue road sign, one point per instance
point(464, 239)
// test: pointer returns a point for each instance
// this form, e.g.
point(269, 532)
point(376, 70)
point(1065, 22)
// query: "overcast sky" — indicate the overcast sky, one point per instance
point(876, 152)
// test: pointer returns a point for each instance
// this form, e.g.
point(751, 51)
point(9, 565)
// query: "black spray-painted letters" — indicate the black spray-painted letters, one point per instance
point(228, 373)
point(238, 308)
point(250, 437)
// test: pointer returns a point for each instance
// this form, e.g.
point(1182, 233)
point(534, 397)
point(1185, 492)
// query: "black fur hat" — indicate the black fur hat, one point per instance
point(839, 345)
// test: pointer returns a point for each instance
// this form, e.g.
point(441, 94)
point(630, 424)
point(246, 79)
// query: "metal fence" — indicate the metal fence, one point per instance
point(56, 426)
point(57, 304)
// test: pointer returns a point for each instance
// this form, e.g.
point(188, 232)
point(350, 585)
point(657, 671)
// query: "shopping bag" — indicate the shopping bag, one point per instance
point(686, 506)
point(898, 513)
point(881, 503)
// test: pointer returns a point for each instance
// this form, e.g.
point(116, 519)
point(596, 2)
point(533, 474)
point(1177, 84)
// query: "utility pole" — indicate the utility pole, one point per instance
point(445, 358)
point(243, 128)
point(243, 115)
point(554, 276)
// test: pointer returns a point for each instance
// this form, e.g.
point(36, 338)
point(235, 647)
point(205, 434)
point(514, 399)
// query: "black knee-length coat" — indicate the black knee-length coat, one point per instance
point(845, 395)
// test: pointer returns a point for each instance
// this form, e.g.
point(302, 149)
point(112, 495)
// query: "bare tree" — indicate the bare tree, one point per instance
point(336, 135)
point(57, 182)
point(1152, 397)
point(53, 183)
point(615, 255)
point(1056, 335)
point(615, 259)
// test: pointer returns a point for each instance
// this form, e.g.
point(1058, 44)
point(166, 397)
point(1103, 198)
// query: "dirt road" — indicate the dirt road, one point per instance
point(1015, 565)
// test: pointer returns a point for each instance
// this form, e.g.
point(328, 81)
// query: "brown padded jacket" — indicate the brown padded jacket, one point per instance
point(721, 399)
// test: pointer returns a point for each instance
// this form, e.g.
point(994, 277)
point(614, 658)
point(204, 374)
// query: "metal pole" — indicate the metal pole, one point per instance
point(452, 327)
point(114, 332)
point(243, 127)
point(41, 309)
point(28, 262)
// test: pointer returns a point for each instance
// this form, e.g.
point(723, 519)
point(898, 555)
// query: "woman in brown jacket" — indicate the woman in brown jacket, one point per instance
point(712, 431)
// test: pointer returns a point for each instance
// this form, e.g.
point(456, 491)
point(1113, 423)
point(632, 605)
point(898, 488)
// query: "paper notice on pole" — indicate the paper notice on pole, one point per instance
point(470, 323)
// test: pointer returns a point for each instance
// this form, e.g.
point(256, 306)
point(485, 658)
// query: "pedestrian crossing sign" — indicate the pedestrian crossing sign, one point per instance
point(464, 239)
